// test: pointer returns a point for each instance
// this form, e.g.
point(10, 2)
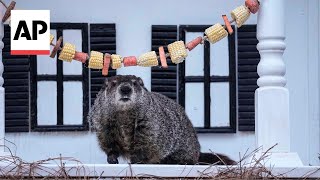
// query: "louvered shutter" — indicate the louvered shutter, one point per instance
point(164, 81)
point(102, 39)
point(16, 84)
point(248, 59)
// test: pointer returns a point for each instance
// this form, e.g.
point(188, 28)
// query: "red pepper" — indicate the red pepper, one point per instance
point(253, 5)
point(130, 61)
point(163, 58)
point(106, 64)
point(192, 44)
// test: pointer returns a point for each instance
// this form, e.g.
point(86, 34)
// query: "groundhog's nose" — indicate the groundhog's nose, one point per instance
point(125, 90)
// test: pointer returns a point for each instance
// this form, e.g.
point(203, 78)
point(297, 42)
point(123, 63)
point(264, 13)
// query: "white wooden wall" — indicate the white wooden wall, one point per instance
point(133, 22)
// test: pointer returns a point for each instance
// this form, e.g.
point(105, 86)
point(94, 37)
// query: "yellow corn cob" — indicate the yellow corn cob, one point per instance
point(51, 38)
point(115, 61)
point(177, 51)
point(148, 59)
point(96, 60)
point(240, 15)
point(67, 53)
point(215, 33)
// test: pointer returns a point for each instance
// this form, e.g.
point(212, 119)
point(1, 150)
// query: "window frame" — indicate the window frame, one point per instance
point(60, 78)
point(206, 79)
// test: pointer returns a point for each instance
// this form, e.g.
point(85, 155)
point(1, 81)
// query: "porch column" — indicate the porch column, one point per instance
point(272, 97)
point(2, 107)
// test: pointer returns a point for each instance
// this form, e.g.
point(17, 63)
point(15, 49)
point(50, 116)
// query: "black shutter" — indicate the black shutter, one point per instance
point(102, 39)
point(16, 84)
point(164, 81)
point(248, 59)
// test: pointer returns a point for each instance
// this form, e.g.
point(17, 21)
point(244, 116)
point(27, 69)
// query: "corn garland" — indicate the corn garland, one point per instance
point(51, 38)
point(215, 33)
point(67, 53)
point(240, 14)
point(177, 50)
point(96, 60)
point(148, 59)
point(115, 61)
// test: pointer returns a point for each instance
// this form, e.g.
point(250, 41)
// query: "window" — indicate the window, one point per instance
point(215, 84)
point(40, 91)
point(207, 82)
point(59, 90)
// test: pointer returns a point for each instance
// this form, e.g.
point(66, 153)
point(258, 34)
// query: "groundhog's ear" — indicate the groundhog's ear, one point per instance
point(140, 81)
point(106, 81)
point(105, 84)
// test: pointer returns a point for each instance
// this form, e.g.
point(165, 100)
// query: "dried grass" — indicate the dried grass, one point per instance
point(14, 167)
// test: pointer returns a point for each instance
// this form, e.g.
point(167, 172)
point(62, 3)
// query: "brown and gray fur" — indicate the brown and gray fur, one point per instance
point(142, 126)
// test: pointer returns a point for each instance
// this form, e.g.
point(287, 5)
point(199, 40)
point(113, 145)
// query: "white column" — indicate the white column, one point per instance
point(272, 97)
point(2, 99)
point(2, 107)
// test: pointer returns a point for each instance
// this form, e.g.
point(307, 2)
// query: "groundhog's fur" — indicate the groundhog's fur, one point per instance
point(142, 126)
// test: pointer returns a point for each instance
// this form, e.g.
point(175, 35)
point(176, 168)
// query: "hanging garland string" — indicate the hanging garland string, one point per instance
point(177, 51)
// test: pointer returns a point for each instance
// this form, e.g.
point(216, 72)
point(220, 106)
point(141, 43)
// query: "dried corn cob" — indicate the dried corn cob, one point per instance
point(7, 14)
point(67, 53)
point(215, 33)
point(115, 61)
point(240, 15)
point(96, 60)
point(148, 59)
point(56, 47)
point(195, 42)
point(177, 51)
point(253, 5)
point(51, 38)
point(106, 64)
point(130, 61)
point(81, 56)
point(163, 58)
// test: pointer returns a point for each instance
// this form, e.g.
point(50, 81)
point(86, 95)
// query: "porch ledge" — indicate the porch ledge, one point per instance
point(127, 170)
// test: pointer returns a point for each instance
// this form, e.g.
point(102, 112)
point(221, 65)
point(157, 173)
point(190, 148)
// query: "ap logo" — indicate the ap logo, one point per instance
point(30, 32)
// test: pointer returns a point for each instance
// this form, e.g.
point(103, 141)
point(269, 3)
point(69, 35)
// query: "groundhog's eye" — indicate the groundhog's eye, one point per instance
point(134, 83)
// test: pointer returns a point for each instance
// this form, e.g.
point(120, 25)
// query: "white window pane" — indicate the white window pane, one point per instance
point(72, 103)
point(47, 103)
point(219, 58)
point(194, 103)
point(45, 64)
point(194, 61)
point(220, 108)
point(73, 37)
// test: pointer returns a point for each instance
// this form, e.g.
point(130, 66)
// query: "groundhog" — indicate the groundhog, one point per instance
point(144, 127)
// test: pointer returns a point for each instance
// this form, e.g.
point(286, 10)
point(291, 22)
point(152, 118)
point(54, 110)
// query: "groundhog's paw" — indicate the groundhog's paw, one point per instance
point(112, 159)
point(135, 160)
